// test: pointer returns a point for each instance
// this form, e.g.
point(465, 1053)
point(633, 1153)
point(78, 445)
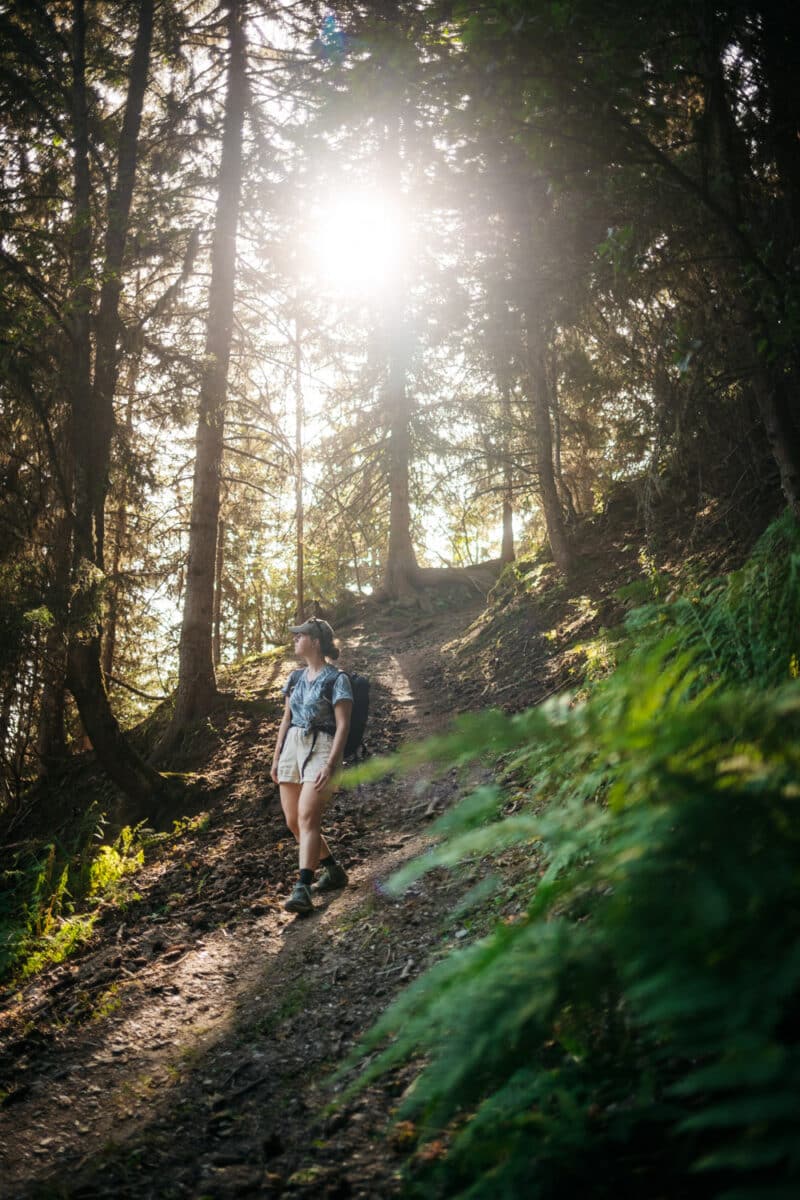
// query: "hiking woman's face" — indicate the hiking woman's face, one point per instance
point(301, 644)
point(304, 644)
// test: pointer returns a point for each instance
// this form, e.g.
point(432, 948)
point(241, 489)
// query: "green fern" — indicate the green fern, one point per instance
point(635, 1034)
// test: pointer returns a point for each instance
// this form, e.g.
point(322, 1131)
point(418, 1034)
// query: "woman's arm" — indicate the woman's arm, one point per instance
point(342, 710)
point(284, 729)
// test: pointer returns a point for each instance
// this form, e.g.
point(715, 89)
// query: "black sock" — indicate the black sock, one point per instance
point(306, 876)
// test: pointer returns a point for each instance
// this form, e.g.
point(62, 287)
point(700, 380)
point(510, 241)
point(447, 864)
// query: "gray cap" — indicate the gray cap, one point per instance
point(316, 628)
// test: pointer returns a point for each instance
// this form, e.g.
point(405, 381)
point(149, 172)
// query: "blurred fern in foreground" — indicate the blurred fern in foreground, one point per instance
point(636, 1033)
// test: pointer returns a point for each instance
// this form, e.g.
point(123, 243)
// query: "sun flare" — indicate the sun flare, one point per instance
point(359, 242)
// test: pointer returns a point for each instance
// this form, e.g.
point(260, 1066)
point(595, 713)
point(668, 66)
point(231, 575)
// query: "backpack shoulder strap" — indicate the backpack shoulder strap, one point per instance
point(330, 684)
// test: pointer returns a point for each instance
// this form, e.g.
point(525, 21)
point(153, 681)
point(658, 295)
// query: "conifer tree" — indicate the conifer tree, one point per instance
point(197, 686)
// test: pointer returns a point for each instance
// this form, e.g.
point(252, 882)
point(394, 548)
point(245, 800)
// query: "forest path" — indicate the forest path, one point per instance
point(184, 1052)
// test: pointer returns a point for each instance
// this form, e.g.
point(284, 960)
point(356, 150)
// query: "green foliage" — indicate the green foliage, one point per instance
point(113, 863)
point(48, 894)
point(745, 627)
point(634, 1034)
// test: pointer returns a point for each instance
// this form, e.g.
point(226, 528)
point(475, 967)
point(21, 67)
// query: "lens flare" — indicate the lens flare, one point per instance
point(360, 242)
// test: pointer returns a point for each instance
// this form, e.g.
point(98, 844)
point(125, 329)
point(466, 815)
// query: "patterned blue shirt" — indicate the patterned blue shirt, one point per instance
point(310, 708)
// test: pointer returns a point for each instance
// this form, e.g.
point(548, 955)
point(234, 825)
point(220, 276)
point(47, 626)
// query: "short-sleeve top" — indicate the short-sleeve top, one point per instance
point(310, 706)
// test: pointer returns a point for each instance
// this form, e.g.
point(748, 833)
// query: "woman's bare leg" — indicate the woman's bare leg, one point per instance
point(311, 805)
point(291, 802)
point(290, 794)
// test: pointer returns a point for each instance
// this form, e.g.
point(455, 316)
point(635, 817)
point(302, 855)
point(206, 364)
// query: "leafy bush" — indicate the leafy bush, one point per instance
point(635, 1033)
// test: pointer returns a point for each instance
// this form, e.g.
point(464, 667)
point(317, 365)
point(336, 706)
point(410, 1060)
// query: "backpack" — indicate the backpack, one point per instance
point(358, 717)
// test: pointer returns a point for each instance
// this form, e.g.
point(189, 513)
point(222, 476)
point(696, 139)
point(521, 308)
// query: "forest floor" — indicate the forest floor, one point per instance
point(186, 1050)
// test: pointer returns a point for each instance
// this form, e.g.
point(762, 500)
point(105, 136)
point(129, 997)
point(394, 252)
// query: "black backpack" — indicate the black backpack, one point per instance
point(358, 717)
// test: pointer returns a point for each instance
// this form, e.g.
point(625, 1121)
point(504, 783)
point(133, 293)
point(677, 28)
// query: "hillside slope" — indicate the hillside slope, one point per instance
point(184, 1050)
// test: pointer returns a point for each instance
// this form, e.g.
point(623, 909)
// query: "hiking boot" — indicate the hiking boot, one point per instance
point(299, 901)
point(331, 878)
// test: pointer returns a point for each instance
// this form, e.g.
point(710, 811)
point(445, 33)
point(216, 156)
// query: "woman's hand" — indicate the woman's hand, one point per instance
point(323, 777)
point(273, 774)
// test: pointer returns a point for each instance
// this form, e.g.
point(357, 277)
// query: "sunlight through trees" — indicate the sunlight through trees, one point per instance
point(507, 260)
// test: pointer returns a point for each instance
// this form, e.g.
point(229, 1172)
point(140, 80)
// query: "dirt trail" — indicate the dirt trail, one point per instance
point(185, 1051)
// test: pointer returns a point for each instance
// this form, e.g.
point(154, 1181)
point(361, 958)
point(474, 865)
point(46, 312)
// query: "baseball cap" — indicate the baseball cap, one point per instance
point(316, 628)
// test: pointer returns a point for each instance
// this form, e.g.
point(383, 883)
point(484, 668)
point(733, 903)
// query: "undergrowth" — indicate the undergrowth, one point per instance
point(50, 895)
point(635, 1033)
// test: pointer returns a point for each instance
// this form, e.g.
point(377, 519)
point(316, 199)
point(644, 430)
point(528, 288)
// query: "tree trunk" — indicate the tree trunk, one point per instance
point(84, 446)
point(239, 633)
point(51, 742)
point(197, 684)
point(401, 572)
point(90, 454)
point(775, 407)
point(113, 586)
point(112, 590)
point(51, 737)
point(540, 399)
point(218, 569)
point(298, 472)
point(119, 209)
point(564, 492)
point(121, 763)
point(7, 792)
point(507, 553)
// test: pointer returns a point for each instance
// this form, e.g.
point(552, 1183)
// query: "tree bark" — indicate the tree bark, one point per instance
point(507, 553)
point(51, 742)
point(563, 488)
point(91, 425)
point(774, 404)
point(197, 685)
point(112, 592)
point(298, 473)
point(219, 566)
point(401, 572)
point(540, 400)
point(119, 208)
point(84, 445)
point(51, 738)
point(239, 632)
point(7, 792)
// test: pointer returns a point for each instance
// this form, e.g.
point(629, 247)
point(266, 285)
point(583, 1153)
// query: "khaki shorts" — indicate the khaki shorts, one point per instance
point(296, 749)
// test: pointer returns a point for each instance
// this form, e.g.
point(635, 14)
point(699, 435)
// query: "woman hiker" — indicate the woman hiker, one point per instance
point(309, 749)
